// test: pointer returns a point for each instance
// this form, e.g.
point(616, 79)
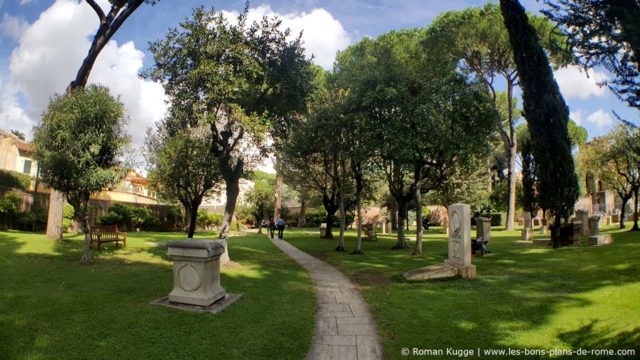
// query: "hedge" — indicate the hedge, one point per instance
point(14, 179)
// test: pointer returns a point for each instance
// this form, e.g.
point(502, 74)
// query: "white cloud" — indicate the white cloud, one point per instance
point(14, 26)
point(25, 2)
point(323, 34)
point(574, 83)
point(49, 54)
point(577, 117)
point(600, 119)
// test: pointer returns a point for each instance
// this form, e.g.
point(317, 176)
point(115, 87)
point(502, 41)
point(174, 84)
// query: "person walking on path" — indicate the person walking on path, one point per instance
point(271, 226)
point(281, 226)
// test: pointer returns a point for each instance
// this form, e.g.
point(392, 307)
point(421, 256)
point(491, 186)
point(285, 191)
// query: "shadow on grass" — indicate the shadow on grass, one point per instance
point(60, 308)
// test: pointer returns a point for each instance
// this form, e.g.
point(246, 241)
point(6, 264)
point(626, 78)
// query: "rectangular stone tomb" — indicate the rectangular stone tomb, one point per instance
point(196, 271)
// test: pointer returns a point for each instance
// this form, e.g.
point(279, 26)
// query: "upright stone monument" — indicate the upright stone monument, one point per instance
point(527, 232)
point(583, 217)
point(458, 262)
point(483, 228)
point(196, 271)
point(594, 225)
point(460, 240)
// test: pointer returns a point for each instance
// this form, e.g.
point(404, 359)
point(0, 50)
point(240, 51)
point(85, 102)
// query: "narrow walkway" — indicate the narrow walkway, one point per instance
point(344, 326)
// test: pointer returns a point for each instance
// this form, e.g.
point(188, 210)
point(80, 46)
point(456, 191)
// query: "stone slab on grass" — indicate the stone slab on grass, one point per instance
point(214, 308)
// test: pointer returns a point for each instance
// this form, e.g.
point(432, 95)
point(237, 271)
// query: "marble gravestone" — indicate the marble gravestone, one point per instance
point(582, 216)
point(483, 228)
point(458, 262)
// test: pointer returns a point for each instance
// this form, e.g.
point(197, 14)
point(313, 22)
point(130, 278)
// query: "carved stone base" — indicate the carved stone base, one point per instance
point(441, 271)
point(527, 234)
point(196, 271)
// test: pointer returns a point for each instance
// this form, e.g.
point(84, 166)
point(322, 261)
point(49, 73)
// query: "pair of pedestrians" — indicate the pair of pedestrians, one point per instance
point(276, 225)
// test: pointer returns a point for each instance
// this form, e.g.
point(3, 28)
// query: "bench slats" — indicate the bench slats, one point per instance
point(104, 234)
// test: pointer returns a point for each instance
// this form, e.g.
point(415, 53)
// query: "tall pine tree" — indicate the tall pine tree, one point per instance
point(547, 116)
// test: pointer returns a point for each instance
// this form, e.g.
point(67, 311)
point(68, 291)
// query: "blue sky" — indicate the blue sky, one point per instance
point(43, 42)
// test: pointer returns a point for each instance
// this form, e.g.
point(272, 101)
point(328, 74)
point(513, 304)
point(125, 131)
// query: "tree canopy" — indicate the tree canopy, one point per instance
point(79, 146)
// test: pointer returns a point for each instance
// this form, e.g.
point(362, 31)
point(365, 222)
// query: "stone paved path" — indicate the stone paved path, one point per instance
point(344, 327)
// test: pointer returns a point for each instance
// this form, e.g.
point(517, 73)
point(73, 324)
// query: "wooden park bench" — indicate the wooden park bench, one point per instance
point(105, 234)
point(370, 234)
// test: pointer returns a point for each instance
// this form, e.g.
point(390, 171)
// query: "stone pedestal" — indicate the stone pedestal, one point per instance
point(601, 239)
point(323, 230)
point(527, 234)
point(583, 217)
point(196, 271)
point(483, 228)
point(594, 223)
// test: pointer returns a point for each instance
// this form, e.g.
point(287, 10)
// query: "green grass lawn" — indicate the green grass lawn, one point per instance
point(53, 307)
point(525, 296)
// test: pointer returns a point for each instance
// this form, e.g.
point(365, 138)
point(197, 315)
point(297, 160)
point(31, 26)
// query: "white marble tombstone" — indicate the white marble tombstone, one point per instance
point(460, 240)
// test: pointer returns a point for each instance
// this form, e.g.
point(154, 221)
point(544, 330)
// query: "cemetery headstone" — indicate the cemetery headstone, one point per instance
point(582, 216)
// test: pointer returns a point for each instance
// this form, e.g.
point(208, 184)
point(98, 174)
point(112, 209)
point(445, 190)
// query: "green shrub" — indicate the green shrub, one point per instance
point(14, 179)
point(110, 218)
point(315, 218)
point(34, 220)
point(207, 220)
point(129, 217)
point(67, 218)
point(9, 203)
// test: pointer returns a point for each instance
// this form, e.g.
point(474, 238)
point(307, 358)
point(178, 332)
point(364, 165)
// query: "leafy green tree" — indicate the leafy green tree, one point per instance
point(242, 80)
point(478, 37)
point(78, 147)
point(547, 116)
point(181, 166)
point(610, 159)
point(604, 33)
point(425, 118)
point(110, 22)
point(260, 201)
point(316, 154)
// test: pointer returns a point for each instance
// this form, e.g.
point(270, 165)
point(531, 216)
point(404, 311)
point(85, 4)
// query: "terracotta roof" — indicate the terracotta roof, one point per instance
point(138, 180)
point(23, 146)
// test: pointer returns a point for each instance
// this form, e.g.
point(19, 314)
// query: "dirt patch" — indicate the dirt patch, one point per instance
point(365, 278)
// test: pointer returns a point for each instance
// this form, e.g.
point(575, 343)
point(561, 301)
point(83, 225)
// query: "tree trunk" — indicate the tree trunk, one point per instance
point(193, 220)
point(84, 220)
point(232, 191)
point(513, 152)
point(329, 221)
point(358, 250)
point(55, 215)
point(556, 232)
point(187, 217)
point(418, 250)
point(343, 221)
point(625, 198)
point(393, 217)
point(402, 213)
point(302, 217)
point(277, 204)
point(635, 210)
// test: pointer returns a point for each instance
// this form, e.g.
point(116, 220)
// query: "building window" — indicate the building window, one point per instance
point(27, 167)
